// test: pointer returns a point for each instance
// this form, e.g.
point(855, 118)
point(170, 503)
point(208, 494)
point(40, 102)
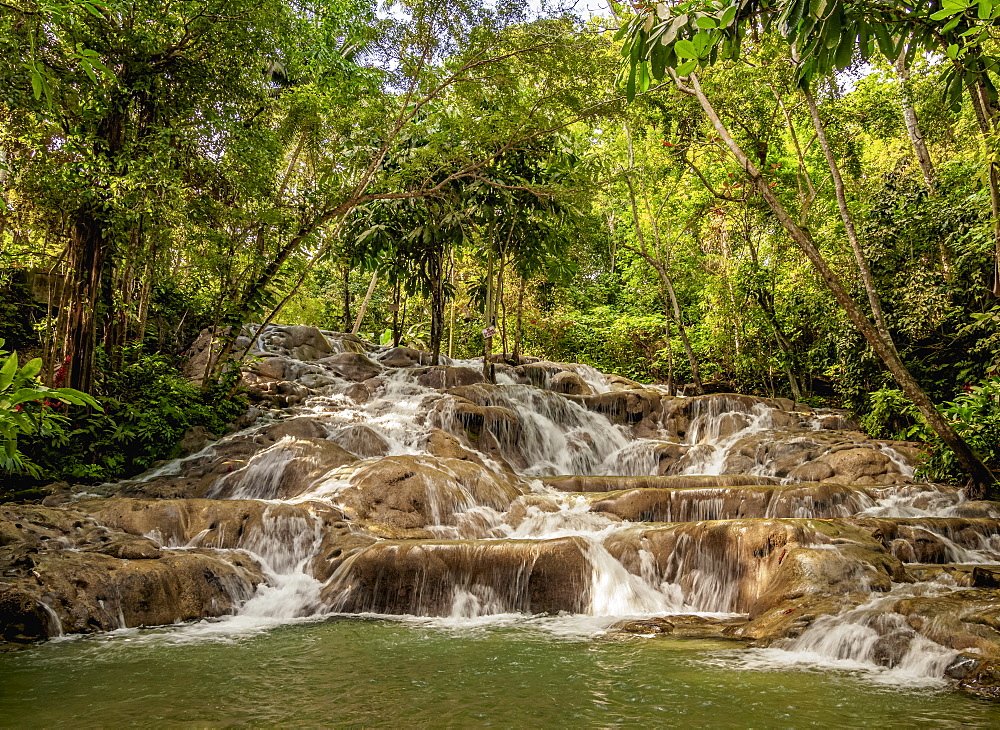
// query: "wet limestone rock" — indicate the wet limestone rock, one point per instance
point(443, 444)
point(600, 483)
point(62, 571)
point(300, 342)
point(433, 578)
point(351, 366)
point(286, 469)
point(965, 620)
point(749, 565)
point(404, 357)
point(688, 626)
point(570, 384)
point(442, 376)
point(401, 493)
point(360, 440)
point(651, 504)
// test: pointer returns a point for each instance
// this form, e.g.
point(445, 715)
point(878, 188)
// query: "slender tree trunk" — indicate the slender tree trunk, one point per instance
point(402, 318)
point(675, 308)
point(346, 296)
point(671, 389)
point(783, 344)
point(985, 119)
point(364, 304)
point(454, 302)
point(488, 369)
point(913, 127)
point(519, 332)
point(437, 310)
point(502, 296)
point(982, 482)
point(848, 219)
point(396, 330)
point(668, 284)
point(89, 254)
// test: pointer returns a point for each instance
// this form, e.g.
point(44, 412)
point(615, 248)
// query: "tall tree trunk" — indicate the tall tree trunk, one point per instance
point(519, 332)
point(89, 254)
point(396, 329)
point(671, 389)
point(437, 309)
point(913, 127)
point(87, 259)
point(985, 119)
point(502, 296)
point(982, 482)
point(675, 309)
point(488, 370)
point(364, 304)
point(784, 344)
point(346, 296)
point(848, 219)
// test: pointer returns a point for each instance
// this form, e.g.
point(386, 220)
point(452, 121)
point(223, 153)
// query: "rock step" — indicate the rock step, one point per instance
point(690, 503)
point(742, 566)
point(587, 483)
point(969, 575)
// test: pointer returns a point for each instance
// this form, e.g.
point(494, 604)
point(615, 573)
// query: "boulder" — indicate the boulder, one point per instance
point(442, 376)
point(269, 367)
point(351, 366)
point(725, 503)
point(300, 342)
point(569, 383)
point(404, 357)
point(284, 470)
point(360, 440)
point(402, 493)
point(577, 483)
point(65, 572)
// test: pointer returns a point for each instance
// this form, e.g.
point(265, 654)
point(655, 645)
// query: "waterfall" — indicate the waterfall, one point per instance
point(685, 506)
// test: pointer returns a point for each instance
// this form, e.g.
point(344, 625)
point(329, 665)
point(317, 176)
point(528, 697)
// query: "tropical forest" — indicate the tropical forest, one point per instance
point(464, 363)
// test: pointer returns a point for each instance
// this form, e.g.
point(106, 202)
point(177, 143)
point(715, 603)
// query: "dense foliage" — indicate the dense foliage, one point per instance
point(166, 168)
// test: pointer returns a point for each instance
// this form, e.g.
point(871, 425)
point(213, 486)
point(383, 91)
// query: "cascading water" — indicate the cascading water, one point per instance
point(453, 517)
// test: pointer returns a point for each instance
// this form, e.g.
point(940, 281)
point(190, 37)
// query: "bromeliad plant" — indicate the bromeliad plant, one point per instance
point(26, 407)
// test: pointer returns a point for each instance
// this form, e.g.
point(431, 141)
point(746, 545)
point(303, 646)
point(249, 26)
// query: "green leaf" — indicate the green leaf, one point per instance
point(88, 69)
point(942, 14)
point(952, 51)
point(94, 9)
point(706, 23)
point(30, 369)
point(702, 42)
point(36, 83)
point(8, 370)
point(685, 49)
point(728, 16)
point(687, 67)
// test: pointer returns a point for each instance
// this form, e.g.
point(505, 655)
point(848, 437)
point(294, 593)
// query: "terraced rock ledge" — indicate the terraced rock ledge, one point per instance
point(374, 482)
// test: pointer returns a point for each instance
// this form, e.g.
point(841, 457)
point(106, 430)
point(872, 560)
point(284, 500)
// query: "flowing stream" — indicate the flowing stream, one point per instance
point(515, 581)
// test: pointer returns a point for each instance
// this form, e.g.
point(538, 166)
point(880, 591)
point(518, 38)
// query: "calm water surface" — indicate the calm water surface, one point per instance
point(392, 674)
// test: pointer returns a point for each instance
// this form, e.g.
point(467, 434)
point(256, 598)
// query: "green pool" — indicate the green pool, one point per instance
point(357, 672)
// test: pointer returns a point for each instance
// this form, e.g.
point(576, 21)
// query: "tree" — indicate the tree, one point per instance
point(818, 46)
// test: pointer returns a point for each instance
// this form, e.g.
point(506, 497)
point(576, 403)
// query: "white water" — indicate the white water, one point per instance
point(557, 436)
point(870, 638)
